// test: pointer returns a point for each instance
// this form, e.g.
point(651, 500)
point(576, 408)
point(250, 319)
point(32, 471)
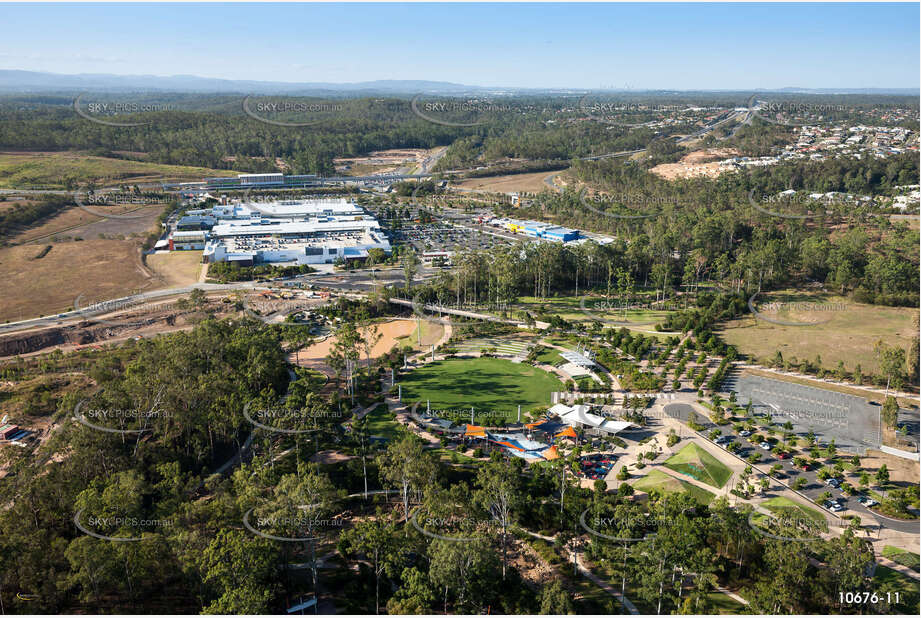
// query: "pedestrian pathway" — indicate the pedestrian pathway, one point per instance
point(604, 585)
point(732, 595)
point(580, 566)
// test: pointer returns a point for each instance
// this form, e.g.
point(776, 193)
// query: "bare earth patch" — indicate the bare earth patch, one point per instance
point(510, 183)
point(330, 457)
point(697, 163)
point(314, 357)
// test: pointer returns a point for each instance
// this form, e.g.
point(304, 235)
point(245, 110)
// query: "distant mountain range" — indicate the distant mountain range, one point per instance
point(23, 82)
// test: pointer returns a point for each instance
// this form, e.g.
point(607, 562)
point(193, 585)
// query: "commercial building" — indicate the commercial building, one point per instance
point(300, 242)
point(291, 231)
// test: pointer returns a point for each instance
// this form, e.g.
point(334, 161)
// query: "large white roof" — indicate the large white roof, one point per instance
point(577, 416)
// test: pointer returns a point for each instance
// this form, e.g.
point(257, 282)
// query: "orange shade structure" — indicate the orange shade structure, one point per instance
point(475, 431)
point(569, 432)
point(550, 453)
point(537, 424)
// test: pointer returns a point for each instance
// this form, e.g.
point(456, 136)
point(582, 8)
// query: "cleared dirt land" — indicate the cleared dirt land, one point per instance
point(21, 170)
point(511, 183)
point(381, 161)
point(848, 335)
point(98, 269)
point(393, 333)
point(697, 163)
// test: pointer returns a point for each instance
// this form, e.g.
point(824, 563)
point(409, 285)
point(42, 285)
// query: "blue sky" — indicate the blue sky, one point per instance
point(634, 46)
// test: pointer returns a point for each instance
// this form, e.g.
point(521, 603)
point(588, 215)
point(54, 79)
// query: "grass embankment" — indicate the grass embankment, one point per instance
point(697, 463)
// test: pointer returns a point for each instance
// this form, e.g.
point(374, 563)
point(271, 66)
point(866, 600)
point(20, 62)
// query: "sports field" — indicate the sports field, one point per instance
point(658, 481)
point(697, 463)
point(843, 330)
point(487, 384)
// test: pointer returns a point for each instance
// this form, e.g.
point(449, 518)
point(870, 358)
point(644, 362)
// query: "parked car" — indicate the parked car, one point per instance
point(783, 455)
point(833, 506)
point(866, 501)
point(764, 446)
point(745, 433)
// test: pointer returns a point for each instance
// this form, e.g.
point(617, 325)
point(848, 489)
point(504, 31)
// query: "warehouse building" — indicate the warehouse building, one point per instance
point(188, 241)
point(195, 223)
point(539, 229)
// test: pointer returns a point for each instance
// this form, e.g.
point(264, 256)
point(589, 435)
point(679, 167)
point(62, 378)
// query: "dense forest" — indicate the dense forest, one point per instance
point(216, 132)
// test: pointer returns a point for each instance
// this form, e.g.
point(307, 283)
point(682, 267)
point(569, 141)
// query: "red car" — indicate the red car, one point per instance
point(783, 455)
point(805, 468)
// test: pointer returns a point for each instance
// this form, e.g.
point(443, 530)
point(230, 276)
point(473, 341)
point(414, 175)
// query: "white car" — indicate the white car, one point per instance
point(764, 446)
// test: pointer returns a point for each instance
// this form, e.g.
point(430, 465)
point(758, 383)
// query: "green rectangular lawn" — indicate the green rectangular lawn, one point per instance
point(489, 385)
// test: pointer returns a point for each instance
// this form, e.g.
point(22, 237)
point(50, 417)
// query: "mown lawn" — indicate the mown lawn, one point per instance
point(489, 385)
point(656, 480)
point(697, 463)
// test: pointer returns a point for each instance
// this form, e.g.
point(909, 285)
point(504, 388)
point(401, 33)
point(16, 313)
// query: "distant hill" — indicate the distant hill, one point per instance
point(23, 82)
point(31, 81)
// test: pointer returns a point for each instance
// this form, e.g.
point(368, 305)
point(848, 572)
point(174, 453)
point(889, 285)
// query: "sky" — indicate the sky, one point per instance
point(622, 46)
